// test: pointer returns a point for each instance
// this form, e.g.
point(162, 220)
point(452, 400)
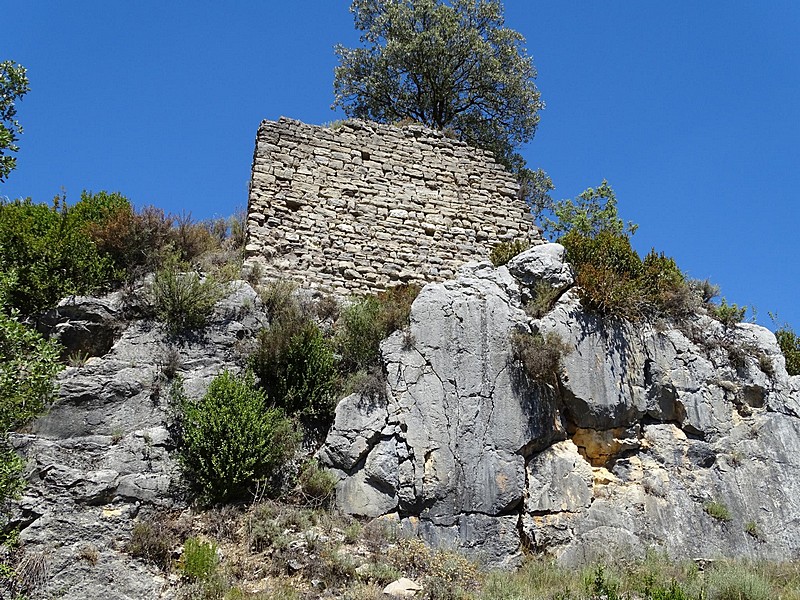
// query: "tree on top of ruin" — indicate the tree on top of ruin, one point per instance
point(449, 65)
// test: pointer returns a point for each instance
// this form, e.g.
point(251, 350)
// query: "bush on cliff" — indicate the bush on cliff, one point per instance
point(231, 440)
point(505, 251)
point(612, 277)
point(28, 366)
point(369, 320)
point(50, 250)
point(183, 300)
point(297, 367)
point(614, 280)
point(789, 343)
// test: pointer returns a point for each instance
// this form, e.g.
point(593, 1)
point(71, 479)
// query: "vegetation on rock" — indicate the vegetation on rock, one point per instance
point(231, 440)
point(505, 251)
point(789, 343)
point(28, 366)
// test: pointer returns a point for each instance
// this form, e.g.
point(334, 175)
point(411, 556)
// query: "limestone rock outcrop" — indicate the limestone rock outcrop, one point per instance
point(103, 454)
point(649, 427)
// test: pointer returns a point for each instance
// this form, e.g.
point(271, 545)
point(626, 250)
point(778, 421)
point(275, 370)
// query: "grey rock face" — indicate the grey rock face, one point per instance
point(543, 262)
point(85, 325)
point(103, 453)
point(647, 426)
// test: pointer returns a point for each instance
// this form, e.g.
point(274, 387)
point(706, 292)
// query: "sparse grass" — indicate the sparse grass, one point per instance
point(751, 529)
point(505, 251)
point(331, 551)
point(117, 434)
point(544, 297)
point(717, 510)
point(89, 553)
point(77, 358)
point(737, 582)
point(152, 540)
point(199, 559)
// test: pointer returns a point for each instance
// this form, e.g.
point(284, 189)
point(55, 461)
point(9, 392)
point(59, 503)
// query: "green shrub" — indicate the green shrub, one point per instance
point(368, 321)
point(361, 333)
point(199, 559)
point(230, 440)
point(280, 303)
point(50, 251)
point(11, 467)
point(789, 344)
point(735, 582)
point(613, 280)
point(316, 484)
point(505, 251)
point(28, 366)
point(184, 301)
point(297, 367)
point(539, 355)
point(718, 510)
point(728, 314)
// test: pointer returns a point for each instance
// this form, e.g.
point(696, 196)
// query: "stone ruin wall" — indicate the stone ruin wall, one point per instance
point(360, 206)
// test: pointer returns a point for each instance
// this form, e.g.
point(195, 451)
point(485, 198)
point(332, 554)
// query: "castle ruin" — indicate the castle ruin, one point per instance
point(360, 206)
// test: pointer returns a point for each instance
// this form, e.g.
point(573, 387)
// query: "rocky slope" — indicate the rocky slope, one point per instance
point(682, 440)
point(103, 453)
point(648, 432)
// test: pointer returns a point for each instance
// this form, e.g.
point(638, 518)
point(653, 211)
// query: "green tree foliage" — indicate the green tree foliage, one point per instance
point(231, 439)
point(451, 66)
point(28, 366)
point(51, 251)
point(593, 211)
point(13, 86)
point(789, 343)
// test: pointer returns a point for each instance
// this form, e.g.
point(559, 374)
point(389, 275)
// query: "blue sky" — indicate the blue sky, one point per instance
point(688, 108)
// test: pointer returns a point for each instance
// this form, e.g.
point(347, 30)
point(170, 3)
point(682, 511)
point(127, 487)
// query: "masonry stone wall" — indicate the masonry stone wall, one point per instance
point(361, 206)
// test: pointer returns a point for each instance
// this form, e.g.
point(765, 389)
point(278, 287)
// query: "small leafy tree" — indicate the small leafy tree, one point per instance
point(452, 66)
point(593, 211)
point(13, 86)
point(231, 439)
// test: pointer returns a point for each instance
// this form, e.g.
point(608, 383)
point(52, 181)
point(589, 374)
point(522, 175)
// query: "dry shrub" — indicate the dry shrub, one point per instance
point(153, 541)
point(136, 242)
point(543, 300)
point(444, 573)
point(540, 355)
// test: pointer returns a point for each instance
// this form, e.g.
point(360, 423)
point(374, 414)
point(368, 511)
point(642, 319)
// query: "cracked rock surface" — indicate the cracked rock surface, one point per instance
point(648, 424)
point(103, 452)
